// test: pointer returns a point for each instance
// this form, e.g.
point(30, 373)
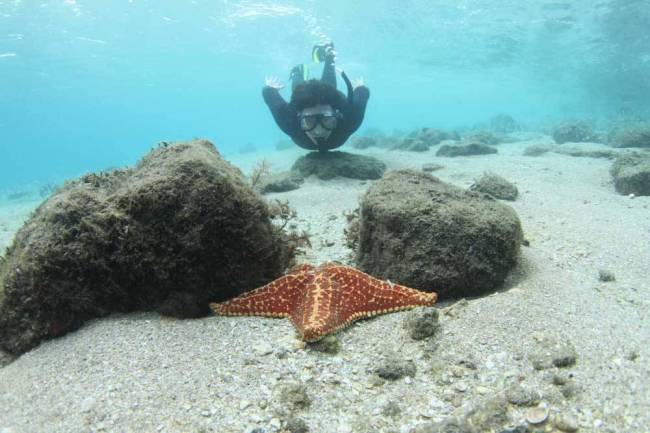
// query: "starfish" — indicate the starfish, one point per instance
point(320, 300)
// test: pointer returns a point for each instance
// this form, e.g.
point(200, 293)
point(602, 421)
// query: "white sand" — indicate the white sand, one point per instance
point(141, 373)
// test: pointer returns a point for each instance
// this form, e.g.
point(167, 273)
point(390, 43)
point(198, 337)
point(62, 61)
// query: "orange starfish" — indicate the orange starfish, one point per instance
point(324, 299)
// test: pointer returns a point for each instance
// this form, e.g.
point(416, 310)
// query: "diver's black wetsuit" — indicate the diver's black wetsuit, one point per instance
point(286, 116)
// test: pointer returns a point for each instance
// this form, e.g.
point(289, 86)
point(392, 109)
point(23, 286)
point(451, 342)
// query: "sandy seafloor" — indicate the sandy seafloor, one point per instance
point(142, 373)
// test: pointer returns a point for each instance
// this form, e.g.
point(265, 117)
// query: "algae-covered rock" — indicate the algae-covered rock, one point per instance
point(575, 132)
point(504, 124)
point(465, 149)
point(180, 229)
point(496, 186)
point(631, 137)
point(419, 231)
point(631, 173)
point(328, 165)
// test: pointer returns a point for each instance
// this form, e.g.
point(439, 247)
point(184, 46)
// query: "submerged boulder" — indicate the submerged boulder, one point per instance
point(496, 186)
point(465, 149)
point(631, 173)
point(180, 229)
point(574, 132)
point(328, 165)
point(419, 231)
point(504, 124)
point(631, 137)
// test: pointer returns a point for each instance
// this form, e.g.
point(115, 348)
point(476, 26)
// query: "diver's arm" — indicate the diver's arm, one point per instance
point(357, 107)
point(282, 113)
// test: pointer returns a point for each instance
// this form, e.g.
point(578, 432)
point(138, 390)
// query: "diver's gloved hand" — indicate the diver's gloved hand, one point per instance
point(324, 52)
point(330, 54)
point(274, 83)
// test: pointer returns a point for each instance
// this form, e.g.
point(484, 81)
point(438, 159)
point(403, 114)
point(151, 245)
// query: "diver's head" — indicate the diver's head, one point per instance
point(318, 106)
point(319, 121)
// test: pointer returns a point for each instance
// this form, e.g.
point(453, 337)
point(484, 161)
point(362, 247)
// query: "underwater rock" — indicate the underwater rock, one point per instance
point(388, 142)
point(496, 186)
point(575, 132)
point(504, 124)
point(421, 139)
point(631, 173)
point(433, 136)
point(631, 137)
point(538, 149)
point(363, 142)
point(423, 324)
point(5, 359)
point(411, 144)
point(394, 369)
point(482, 137)
point(584, 153)
point(484, 416)
point(429, 167)
point(280, 182)
point(424, 233)
point(467, 149)
point(180, 229)
point(328, 165)
point(549, 352)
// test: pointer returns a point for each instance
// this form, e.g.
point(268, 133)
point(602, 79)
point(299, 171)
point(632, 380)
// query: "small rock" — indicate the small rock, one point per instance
point(296, 395)
point(330, 344)
point(489, 415)
point(632, 355)
point(428, 167)
point(567, 423)
point(520, 396)
point(296, 425)
point(461, 387)
point(391, 409)
point(560, 379)
point(537, 414)
point(569, 390)
point(394, 369)
point(548, 353)
point(606, 276)
point(263, 348)
point(424, 324)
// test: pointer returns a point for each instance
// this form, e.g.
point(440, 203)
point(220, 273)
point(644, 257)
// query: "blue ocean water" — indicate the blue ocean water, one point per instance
point(89, 85)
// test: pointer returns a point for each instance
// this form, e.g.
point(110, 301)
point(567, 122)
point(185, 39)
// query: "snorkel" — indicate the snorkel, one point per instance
point(348, 84)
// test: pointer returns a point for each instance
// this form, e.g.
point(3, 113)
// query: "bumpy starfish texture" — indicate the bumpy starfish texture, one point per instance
point(324, 299)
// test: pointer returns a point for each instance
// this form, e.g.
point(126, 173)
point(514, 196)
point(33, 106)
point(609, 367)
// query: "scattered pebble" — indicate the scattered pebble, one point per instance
point(296, 425)
point(606, 276)
point(428, 167)
point(394, 369)
point(537, 414)
point(549, 353)
point(330, 344)
point(423, 324)
point(566, 423)
point(296, 395)
point(391, 409)
point(520, 396)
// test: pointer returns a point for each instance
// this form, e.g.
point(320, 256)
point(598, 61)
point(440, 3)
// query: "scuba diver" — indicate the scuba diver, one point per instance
point(318, 116)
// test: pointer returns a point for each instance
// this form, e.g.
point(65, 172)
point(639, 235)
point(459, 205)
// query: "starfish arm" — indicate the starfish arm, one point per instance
point(315, 314)
point(275, 299)
point(367, 296)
